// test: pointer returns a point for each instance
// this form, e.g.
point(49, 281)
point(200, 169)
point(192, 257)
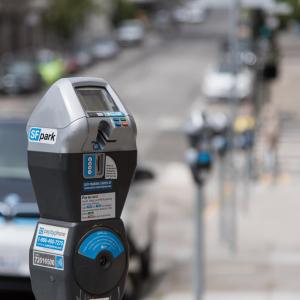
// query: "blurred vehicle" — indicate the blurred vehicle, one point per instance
point(192, 12)
point(70, 63)
point(19, 76)
point(51, 65)
point(19, 215)
point(84, 57)
point(221, 82)
point(18, 210)
point(162, 20)
point(131, 32)
point(105, 48)
point(246, 51)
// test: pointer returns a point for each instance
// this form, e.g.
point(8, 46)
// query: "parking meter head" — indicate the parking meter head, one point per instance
point(200, 162)
point(81, 139)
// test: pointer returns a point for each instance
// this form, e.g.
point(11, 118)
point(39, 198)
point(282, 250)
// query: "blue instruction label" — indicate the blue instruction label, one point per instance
point(94, 186)
point(102, 240)
point(51, 239)
point(89, 165)
point(50, 243)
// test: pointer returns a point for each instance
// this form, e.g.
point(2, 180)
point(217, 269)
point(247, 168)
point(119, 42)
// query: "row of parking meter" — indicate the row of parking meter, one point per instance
point(81, 156)
point(211, 135)
point(207, 136)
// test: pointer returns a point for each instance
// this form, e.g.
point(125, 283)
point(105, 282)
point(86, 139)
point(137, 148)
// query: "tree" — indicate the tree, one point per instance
point(295, 5)
point(123, 10)
point(63, 17)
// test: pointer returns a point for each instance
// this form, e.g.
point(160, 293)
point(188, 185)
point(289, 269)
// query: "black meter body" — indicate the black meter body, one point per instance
point(82, 157)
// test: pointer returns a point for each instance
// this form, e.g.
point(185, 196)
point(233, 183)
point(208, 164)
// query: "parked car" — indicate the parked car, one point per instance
point(51, 65)
point(105, 48)
point(193, 12)
point(247, 52)
point(84, 57)
point(19, 215)
point(19, 76)
point(221, 82)
point(131, 32)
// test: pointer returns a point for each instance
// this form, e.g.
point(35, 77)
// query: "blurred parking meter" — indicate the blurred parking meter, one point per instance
point(200, 159)
point(82, 157)
point(244, 127)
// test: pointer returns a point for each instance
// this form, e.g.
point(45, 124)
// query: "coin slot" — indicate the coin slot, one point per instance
point(105, 260)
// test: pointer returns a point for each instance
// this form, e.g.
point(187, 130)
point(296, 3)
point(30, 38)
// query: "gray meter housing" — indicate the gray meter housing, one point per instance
point(82, 157)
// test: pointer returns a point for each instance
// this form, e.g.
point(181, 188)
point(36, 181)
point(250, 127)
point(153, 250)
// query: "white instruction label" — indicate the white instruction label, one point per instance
point(98, 206)
point(51, 239)
point(111, 171)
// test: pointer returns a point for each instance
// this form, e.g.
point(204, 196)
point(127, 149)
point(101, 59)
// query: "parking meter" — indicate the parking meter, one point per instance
point(81, 156)
point(199, 156)
point(221, 129)
point(244, 127)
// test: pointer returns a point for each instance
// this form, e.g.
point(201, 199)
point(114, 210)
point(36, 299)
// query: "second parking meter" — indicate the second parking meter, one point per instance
point(82, 157)
point(199, 156)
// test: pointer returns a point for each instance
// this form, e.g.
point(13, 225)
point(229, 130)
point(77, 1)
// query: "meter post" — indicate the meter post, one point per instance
point(82, 157)
point(221, 127)
point(200, 159)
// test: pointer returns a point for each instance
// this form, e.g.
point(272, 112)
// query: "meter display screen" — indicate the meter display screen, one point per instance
point(94, 99)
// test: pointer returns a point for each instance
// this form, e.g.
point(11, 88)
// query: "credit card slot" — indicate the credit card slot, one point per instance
point(100, 165)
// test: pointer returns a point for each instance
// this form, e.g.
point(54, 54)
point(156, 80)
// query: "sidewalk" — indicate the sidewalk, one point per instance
point(267, 263)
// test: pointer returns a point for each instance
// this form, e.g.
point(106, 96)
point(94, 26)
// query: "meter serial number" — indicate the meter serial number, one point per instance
point(45, 260)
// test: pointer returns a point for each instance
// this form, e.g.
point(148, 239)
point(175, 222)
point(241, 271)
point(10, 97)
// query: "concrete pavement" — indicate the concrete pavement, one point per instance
point(267, 263)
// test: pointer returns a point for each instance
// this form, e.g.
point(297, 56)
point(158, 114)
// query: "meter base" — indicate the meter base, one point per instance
point(93, 262)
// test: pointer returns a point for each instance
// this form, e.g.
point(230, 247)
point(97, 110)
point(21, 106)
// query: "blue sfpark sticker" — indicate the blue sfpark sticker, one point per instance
point(101, 240)
point(42, 135)
point(95, 186)
point(51, 239)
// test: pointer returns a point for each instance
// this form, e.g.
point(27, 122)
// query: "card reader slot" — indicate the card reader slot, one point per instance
point(100, 165)
point(104, 131)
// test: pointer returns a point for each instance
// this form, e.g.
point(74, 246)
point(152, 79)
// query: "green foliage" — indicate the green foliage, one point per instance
point(123, 10)
point(295, 5)
point(63, 17)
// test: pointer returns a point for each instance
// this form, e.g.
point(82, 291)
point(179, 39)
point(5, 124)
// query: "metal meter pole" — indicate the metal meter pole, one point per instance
point(222, 200)
point(199, 264)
